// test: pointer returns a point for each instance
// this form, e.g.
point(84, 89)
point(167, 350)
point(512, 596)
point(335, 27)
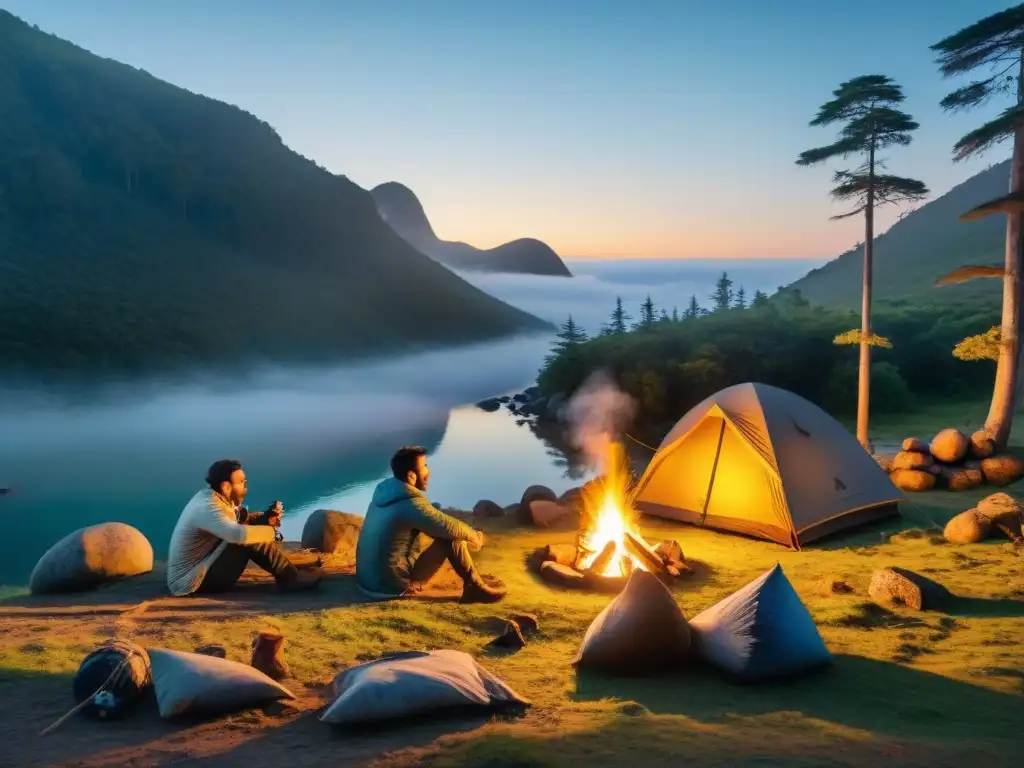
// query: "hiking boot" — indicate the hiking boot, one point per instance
point(479, 592)
point(303, 579)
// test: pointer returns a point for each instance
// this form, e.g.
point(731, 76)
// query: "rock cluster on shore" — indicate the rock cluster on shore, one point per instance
point(952, 461)
point(529, 402)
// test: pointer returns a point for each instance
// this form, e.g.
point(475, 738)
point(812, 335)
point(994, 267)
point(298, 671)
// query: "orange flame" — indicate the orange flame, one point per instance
point(608, 515)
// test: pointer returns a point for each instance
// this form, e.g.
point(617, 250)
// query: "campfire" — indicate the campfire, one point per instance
point(608, 545)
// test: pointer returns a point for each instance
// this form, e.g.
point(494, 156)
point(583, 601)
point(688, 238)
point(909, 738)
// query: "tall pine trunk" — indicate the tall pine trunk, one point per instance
point(864, 370)
point(1004, 394)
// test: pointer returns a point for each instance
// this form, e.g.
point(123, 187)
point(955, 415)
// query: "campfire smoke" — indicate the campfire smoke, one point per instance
point(597, 415)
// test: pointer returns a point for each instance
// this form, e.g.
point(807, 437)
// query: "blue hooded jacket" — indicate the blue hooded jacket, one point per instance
point(385, 552)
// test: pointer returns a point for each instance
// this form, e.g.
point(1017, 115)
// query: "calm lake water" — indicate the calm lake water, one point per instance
point(315, 437)
point(310, 438)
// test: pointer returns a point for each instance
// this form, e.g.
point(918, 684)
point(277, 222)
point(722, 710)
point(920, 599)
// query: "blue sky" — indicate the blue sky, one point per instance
point(648, 128)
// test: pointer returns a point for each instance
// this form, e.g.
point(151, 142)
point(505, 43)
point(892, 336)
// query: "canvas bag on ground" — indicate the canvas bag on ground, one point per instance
point(193, 683)
point(762, 631)
point(642, 631)
point(413, 683)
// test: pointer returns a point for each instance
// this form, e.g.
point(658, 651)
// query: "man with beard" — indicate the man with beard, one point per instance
point(405, 539)
point(216, 537)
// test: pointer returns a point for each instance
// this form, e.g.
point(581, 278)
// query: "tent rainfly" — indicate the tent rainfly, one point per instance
point(761, 461)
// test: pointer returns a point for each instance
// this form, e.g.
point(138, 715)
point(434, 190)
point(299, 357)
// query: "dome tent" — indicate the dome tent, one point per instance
point(758, 460)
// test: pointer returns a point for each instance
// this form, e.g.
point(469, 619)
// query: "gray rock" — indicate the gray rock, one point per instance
point(332, 532)
point(903, 588)
point(90, 556)
point(487, 508)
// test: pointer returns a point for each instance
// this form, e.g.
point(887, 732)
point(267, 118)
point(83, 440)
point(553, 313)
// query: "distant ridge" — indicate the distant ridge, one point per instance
point(402, 210)
point(145, 227)
point(921, 248)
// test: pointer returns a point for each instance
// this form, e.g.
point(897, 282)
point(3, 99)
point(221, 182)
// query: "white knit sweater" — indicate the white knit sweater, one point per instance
point(207, 524)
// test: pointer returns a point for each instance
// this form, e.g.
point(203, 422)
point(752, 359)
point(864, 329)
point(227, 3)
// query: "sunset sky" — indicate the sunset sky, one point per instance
point(604, 127)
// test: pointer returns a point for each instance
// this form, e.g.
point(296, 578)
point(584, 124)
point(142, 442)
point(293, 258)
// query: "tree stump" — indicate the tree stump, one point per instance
point(268, 655)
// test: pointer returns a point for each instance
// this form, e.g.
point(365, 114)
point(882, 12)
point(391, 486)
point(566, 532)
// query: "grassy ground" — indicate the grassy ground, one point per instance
point(908, 689)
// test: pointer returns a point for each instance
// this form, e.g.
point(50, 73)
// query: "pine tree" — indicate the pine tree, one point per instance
point(619, 319)
point(569, 336)
point(996, 45)
point(663, 316)
point(647, 311)
point(741, 299)
point(760, 300)
point(721, 299)
point(867, 108)
point(693, 309)
point(675, 315)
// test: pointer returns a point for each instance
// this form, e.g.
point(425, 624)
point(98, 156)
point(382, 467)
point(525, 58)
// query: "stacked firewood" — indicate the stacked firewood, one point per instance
point(561, 563)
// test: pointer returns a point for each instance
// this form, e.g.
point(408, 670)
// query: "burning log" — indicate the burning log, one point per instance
point(562, 575)
point(647, 557)
point(563, 554)
point(603, 560)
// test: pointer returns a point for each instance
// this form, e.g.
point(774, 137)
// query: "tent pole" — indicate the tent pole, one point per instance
point(714, 469)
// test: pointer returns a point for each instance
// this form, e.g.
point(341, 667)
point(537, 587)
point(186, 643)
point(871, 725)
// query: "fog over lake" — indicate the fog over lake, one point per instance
point(315, 436)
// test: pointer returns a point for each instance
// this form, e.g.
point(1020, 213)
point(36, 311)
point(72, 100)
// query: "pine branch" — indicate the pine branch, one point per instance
point(898, 189)
point(972, 95)
point(842, 148)
point(991, 133)
point(984, 346)
point(855, 335)
point(854, 97)
point(854, 212)
point(989, 41)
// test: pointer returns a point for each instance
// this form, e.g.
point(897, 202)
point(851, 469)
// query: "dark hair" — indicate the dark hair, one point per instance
point(405, 459)
point(221, 471)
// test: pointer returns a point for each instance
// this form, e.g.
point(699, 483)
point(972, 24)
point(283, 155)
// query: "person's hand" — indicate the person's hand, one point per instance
point(478, 539)
point(274, 513)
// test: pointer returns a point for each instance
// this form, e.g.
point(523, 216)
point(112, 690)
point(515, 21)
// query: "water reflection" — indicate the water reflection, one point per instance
point(481, 456)
point(143, 475)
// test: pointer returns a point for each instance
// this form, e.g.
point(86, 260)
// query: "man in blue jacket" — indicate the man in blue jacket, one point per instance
point(405, 539)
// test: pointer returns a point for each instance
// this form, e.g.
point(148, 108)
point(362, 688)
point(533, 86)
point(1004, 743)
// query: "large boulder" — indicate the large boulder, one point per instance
point(962, 479)
point(1002, 470)
point(1004, 512)
point(332, 532)
point(530, 495)
point(487, 508)
point(913, 445)
point(902, 588)
point(913, 480)
point(89, 556)
point(950, 446)
point(968, 527)
point(551, 514)
point(911, 460)
point(981, 445)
